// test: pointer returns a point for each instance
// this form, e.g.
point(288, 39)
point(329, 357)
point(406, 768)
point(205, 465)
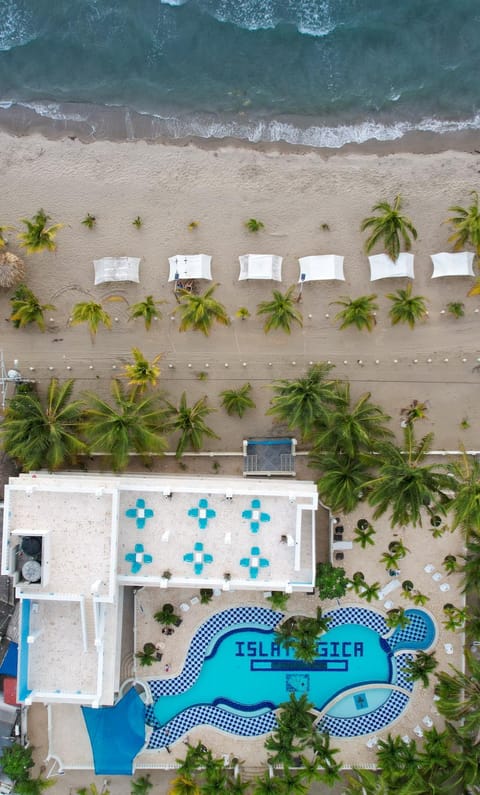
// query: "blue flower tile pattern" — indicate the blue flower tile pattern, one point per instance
point(140, 513)
point(255, 562)
point(203, 513)
point(137, 558)
point(198, 557)
point(255, 515)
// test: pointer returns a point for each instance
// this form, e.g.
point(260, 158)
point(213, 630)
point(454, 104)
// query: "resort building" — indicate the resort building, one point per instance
point(75, 543)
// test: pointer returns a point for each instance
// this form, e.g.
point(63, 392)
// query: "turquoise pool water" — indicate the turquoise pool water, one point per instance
point(246, 672)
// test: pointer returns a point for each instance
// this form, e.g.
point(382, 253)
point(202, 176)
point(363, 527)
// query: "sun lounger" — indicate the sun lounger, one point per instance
point(372, 742)
point(388, 588)
point(184, 607)
point(427, 721)
point(194, 600)
point(429, 568)
point(448, 648)
point(418, 731)
point(342, 545)
point(445, 586)
point(406, 739)
point(437, 576)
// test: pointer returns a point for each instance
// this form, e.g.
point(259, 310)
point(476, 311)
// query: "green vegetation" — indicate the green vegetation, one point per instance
point(242, 313)
point(330, 581)
point(456, 308)
point(147, 656)
point(303, 403)
point(134, 423)
point(199, 312)
point(89, 221)
point(189, 421)
point(237, 401)
point(253, 225)
point(167, 616)
point(91, 313)
point(4, 229)
point(390, 227)
point(148, 309)
point(137, 222)
point(281, 312)
point(27, 309)
point(358, 312)
point(142, 373)
point(38, 434)
point(38, 236)
point(466, 225)
point(406, 308)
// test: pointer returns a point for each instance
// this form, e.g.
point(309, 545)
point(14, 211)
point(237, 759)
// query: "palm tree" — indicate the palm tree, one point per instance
point(38, 235)
point(397, 618)
point(406, 308)
point(390, 226)
point(397, 759)
point(237, 401)
point(4, 229)
point(40, 435)
point(280, 312)
point(459, 694)
point(296, 715)
point(266, 785)
point(27, 309)
point(282, 747)
point(450, 564)
point(420, 667)
point(466, 224)
point(471, 567)
point(167, 617)
point(91, 313)
point(305, 402)
point(436, 755)
point(283, 635)
point(147, 656)
point(34, 786)
point(390, 560)
point(141, 786)
point(364, 536)
point(369, 592)
point(141, 372)
point(343, 478)
point(359, 312)
point(350, 429)
point(420, 598)
point(147, 309)
point(183, 784)
point(358, 581)
point(253, 225)
point(415, 411)
point(190, 421)
point(198, 312)
point(133, 424)
point(404, 484)
point(278, 600)
point(465, 504)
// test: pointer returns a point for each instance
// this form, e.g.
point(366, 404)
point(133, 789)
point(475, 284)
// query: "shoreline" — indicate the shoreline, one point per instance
point(93, 123)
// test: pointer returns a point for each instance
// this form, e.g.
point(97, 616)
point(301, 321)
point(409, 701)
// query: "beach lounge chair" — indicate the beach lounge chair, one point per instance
point(437, 576)
point(184, 607)
point(418, 731)
point(427, 721)
point(406, 739)
point(320, 268)
point(388, 588)
point(194, 600)
point(429, 568)
point(445, 586)
point(260, 266)
point(372, 742)
point(448, 264)
point(382, 267)
point(448, 648)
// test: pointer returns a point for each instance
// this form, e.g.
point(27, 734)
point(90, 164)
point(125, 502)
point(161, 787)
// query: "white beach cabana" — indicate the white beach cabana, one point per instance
point(382, 267)
point(190, 266)
point(116, 269)
point(319, 268)
point(260, 266)
point(447, 264)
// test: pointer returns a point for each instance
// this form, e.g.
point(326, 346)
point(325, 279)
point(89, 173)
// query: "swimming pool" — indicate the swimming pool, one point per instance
point(235, 675)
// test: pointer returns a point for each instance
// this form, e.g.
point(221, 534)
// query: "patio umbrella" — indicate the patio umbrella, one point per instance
point(117, 734)
point(12, 270)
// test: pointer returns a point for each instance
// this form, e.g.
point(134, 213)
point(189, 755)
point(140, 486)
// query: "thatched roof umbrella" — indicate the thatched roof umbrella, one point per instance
point(12, 270)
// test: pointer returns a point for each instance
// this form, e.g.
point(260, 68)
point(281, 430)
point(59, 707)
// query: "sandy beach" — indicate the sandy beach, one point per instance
point(293, 193)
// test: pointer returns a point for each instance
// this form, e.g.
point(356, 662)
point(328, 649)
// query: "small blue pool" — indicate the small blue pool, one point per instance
point(235, 676)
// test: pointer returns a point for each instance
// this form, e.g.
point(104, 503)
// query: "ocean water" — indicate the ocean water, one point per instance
point(314, 72)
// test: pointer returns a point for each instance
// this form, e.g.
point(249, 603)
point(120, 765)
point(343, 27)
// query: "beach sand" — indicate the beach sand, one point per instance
point(293, 193)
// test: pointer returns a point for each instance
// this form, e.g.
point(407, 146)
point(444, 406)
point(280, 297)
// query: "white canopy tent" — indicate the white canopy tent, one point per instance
point(446, 264)
point(326, 266)
point(116, 269)
point(382, 267)
point(190, 266)
point(260, 266)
